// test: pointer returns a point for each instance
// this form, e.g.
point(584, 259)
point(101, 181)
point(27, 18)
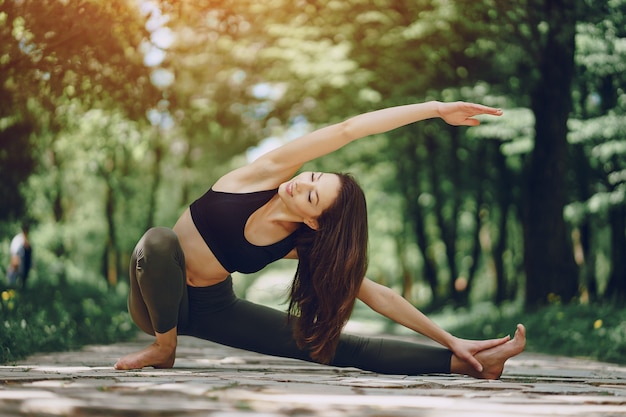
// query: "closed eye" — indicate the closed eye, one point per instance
point(310, 194)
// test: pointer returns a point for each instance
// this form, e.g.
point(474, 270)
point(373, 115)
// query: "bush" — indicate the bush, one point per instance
point(62, 316)
point(595, 331)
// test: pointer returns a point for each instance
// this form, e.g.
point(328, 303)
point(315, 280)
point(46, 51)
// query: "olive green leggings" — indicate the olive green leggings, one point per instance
point(160, 300)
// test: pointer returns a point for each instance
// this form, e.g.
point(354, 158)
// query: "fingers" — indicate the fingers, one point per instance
point(479, 108)
point(475, 364)
point(463, 114)
point(471, 122)
point(491, 343)
point(484, 345)
point(492, 111)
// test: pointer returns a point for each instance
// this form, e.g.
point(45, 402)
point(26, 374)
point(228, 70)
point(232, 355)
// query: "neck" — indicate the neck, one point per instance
point(276, 212)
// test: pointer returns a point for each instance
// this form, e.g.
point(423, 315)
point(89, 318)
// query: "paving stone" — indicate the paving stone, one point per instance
point(210, 380)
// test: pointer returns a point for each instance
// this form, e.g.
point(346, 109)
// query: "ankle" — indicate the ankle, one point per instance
point(167, 341)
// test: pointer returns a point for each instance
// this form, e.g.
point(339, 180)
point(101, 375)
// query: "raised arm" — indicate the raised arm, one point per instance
point(291, 156)
point(390, 304)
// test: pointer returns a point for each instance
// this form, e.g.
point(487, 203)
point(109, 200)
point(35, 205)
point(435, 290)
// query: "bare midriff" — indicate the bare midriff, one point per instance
point(203, 268)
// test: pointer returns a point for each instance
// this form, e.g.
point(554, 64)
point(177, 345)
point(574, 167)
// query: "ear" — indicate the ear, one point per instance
point(312, 223)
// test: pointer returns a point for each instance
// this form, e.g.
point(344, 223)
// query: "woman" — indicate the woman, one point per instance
point(256, 214)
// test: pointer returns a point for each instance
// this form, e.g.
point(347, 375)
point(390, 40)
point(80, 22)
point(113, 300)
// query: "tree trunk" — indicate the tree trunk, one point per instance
point(465, 288)
point(405, 271)
point(504, 200)
point(111, 252)
point(430, 266)
point(584, 256)
point(583, 173)
point(448, 227)
point(156, 179)
point(408, 177)
point(548, 259)
point(617, 282)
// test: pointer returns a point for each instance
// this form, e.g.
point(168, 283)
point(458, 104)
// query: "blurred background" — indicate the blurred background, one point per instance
point(116, 114)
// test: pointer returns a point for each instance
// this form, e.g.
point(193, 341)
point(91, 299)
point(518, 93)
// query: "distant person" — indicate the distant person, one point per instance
point(21, 254)
point(180, 278)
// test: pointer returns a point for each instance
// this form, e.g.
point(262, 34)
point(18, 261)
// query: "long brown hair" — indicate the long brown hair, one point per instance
point(331, 268)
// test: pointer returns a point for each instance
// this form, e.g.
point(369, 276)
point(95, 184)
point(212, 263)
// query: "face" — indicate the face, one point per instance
point(309, 194)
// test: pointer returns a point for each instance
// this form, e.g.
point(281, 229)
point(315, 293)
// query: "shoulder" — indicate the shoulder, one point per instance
point(256, 176)
point(17, 242)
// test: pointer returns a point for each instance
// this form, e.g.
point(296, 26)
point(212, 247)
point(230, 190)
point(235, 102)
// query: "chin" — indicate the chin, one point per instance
point(282, 191)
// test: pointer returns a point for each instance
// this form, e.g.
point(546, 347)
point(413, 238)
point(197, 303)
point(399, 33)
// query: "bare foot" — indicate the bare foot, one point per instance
point(493, 359)
point(154, 355)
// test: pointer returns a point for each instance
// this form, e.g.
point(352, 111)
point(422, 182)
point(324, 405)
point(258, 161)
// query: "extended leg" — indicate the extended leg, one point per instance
point(264, 330)
point(220, 317)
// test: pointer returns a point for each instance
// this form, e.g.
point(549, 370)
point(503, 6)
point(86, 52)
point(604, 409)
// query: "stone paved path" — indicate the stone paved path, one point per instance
point(214, 381)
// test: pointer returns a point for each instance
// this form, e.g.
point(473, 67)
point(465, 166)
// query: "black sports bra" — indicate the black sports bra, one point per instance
point(221, 218)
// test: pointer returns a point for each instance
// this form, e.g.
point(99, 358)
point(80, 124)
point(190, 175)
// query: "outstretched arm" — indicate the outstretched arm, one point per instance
point(331, 138)
point(387, 302)
point(287, 159)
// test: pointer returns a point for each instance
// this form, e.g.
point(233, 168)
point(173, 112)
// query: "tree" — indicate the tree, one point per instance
point(54, 51)
point(549, 262)
point(599, 143)
point(545, 31)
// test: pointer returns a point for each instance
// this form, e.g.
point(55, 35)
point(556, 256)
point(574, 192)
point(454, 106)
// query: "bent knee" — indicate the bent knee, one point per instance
point(160, 240)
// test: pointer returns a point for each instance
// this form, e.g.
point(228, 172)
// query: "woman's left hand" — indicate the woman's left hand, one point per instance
point(467, 349)
point(462, 114)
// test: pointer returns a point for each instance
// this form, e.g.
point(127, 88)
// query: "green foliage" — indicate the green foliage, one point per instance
point(52, 52)
point(595, 330)
point(75, 91)
point(51, 316)
point(88, 49)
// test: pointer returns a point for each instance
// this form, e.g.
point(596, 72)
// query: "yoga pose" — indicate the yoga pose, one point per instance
point(252, 216)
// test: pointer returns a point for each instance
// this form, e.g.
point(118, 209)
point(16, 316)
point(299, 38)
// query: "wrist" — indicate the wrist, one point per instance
point(430, 109)
point(449, 341)
point(437, 108)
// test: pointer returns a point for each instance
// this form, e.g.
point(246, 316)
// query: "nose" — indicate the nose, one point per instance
point(304, 185)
